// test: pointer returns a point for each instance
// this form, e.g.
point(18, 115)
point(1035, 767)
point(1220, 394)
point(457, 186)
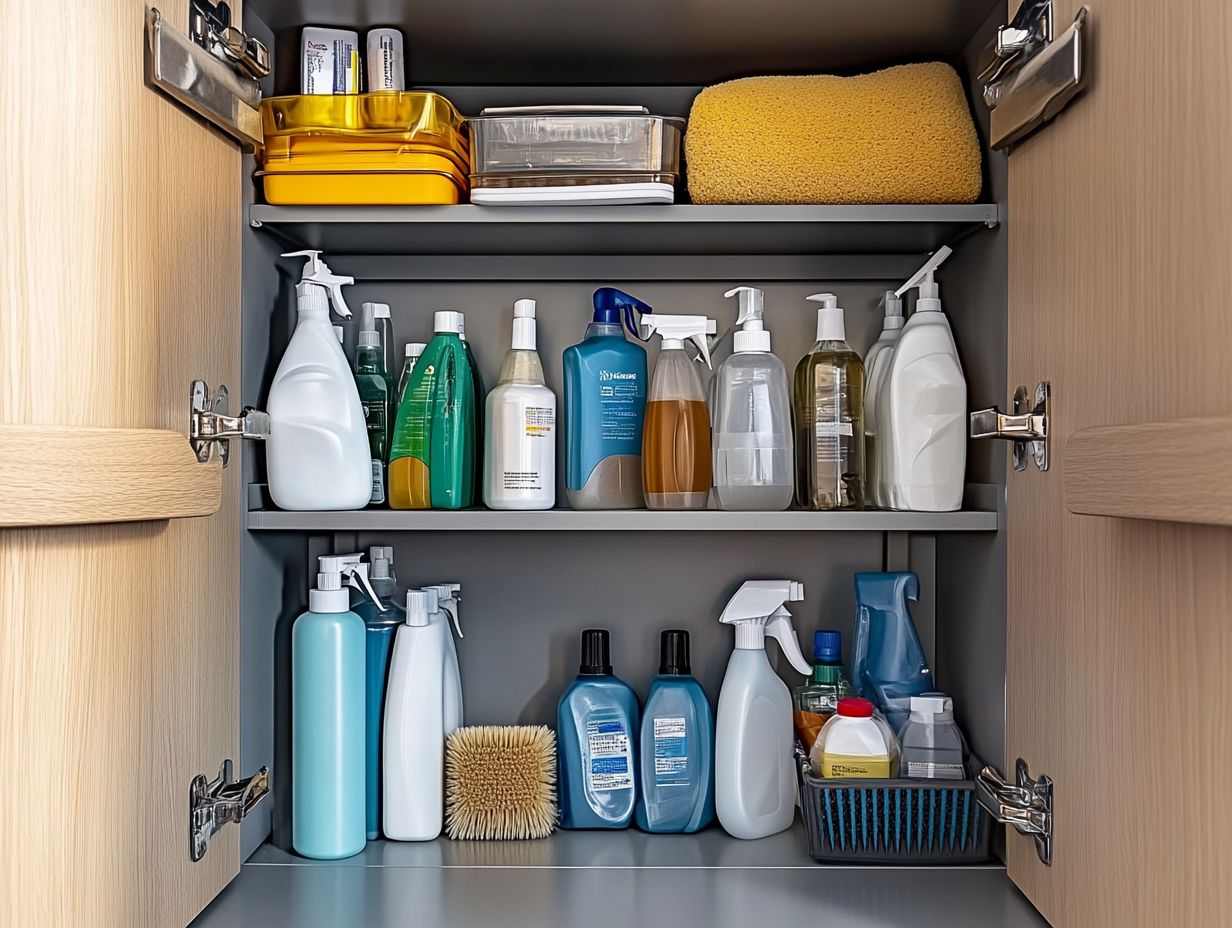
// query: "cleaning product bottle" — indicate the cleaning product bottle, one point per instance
point(520, 451)
point(380, 626)
point(876, 363)
point(817, 700)
point(448, 599)
point(922, 407)
point(376, 398)
point(932, 744)
point(432, 456)
point(676, 453)
point(417, 722)
point(327, 715)
point(381, 322)
point(753, 463)
point(855, 743)
point(888, 665)
point(676, 748)
point(754, 770)
point(317, 452)
point(596, 724)
point(829, 414)
point(412, 351)
point(605, 402)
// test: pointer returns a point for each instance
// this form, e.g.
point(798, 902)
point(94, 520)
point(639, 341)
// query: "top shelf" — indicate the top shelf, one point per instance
point(682, 229)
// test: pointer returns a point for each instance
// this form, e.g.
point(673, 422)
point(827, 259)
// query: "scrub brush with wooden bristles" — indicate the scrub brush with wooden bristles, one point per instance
point(500, 782)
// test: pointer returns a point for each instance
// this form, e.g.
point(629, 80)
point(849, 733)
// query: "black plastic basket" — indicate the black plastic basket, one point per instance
point(895, 821)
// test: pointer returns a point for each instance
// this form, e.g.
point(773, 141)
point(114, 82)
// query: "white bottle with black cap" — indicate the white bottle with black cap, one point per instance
point(520, 436)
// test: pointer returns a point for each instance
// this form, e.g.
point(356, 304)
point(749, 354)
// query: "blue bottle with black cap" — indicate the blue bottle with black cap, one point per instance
point(605, 403)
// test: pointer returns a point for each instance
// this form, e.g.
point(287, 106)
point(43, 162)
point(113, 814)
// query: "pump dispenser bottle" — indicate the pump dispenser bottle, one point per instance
point(520, 453)
point(754, 772)
point(317, 452)
point(876, 363)
point(753, 457)
point(605, 404)
point(327, 715)
point(829, 414)
point(676, 456)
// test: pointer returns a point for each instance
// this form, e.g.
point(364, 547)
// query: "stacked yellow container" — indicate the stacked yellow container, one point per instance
point(393, 147)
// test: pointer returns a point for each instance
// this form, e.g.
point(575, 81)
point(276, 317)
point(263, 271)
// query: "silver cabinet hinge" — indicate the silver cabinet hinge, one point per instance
point(209, 424)
point(209, 25)
point(1027, 806)
point(1028, 75)
point(1026, 427)
point(214, 803)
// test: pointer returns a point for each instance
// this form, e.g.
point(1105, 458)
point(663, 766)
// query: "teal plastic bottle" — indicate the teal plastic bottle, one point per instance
point(327, 718)
point(596, 725)
point(605, 404)
point(380, 626)
point(676, 749)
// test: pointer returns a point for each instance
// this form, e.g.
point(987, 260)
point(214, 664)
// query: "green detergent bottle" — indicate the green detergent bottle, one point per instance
point(432, 461)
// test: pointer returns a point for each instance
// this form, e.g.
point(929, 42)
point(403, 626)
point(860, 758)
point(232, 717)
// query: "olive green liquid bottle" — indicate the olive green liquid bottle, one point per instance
point(828, 409)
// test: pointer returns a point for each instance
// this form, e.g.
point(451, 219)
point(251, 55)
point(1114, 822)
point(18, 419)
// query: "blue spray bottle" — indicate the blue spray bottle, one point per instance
point(596, 726)
point(605, 403)
point(888, 661)
point(676, 749)
point(327, 715)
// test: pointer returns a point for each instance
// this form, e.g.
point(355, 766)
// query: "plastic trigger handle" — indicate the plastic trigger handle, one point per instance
point(779, 628)
point(451, 607)
point(359, 580)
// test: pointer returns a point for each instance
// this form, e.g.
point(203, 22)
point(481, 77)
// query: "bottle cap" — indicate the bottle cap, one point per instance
point(446, 321)
point(524, 309)
point(523, 326)
point(414, 349)
point(853, 707)
point(369, 339)
point(827, 645)
point(674, 652)
point(382, 558)
point(419, 605)
point(932, 703)
point(596, 653)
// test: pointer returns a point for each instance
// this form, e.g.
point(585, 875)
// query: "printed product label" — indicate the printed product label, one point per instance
point(843, 766)
point(526, 439)
point(671, 752)
point(927, 770)
point(610, 764)
point(378, 482)
point(620, 400)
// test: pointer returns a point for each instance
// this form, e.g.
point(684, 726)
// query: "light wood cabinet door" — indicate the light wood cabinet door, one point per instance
point(1120, 564)
point(119, 643)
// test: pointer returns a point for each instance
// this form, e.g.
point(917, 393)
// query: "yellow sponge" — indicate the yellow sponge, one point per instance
point(902, 135)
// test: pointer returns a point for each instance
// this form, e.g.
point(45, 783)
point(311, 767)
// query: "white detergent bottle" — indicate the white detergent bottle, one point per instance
point(922, 407)
point(413, 765)
point(449, 597)
point(317, 452)
point(876, 363)
point(754, 763)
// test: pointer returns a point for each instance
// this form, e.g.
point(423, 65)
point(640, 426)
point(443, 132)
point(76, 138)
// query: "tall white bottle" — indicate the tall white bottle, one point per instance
point(317, 452)
point(754, 762)
point(419, 709)
point(922, 407)
point(449, 599)
point(876, 363)
point(519, 458)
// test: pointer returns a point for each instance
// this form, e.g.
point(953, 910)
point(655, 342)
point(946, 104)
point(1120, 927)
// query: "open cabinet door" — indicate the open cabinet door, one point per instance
point(1120, 555)
point(119, 642)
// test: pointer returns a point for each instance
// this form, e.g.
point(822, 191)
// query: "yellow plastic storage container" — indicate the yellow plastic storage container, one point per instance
point(389, 115)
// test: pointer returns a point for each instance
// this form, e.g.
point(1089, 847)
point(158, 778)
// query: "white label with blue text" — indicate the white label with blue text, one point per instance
point(671, 752)
point(610, 764)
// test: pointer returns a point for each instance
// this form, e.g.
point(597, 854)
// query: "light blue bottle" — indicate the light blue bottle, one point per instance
point(676, 749)
point(605, 404)
point(379, 630)
point(596, 729)
point(327, 718)
point(888, 663)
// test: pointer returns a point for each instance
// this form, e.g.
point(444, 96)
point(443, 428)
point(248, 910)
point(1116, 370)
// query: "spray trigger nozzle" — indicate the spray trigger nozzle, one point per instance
point(759, 610)
point(448, 596)
point(318, 273)
point(351, 572)
point(923, 278)
point(675, 330)
point(752, 305)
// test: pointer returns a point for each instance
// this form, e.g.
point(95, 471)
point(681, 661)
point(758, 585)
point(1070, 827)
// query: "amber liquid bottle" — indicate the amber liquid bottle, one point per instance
point(676, 437)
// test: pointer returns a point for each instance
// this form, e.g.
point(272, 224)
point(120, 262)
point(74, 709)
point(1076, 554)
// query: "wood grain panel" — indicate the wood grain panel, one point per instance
point(119, 644)
point(1150, 470)
point(118, 475)
point(1118, 687)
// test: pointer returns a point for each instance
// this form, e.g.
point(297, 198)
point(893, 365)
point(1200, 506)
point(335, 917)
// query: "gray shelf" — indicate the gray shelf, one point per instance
point(631, 520)
point(623, 230)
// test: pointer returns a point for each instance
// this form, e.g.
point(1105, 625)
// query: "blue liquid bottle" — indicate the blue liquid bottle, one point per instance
point(676, 750)
point(379, 630)
point(605, 404)
point(327, 718)
point(596, 724)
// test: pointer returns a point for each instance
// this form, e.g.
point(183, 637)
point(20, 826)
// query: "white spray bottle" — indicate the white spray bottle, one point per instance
point(317, 452)
point(754, 769)
point(876, 363)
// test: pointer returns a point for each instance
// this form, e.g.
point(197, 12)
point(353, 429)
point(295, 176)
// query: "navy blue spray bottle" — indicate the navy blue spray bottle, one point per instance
point(596, 726)
point(676, 748)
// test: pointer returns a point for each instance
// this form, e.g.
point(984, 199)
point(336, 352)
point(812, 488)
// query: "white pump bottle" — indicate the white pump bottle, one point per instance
point(317, 452)
point(922, 407)
point(876, 363)
point(754, 770)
